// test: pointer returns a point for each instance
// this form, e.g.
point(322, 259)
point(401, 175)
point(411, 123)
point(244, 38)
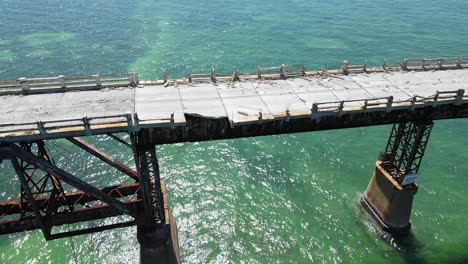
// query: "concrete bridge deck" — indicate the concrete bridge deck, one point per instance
point(223, 105)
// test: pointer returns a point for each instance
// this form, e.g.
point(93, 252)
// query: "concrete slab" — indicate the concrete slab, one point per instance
point(310, 98)
point(198, 91)
point(343, 83)
point(157, 92)
point(280, 103)
point(209, 108)
point(240, 107)
point(237, 89)
point(398, 95)
point(305, 85)
point(273, 87)
point(59, 106)
point(159, 110)
point(351, 94)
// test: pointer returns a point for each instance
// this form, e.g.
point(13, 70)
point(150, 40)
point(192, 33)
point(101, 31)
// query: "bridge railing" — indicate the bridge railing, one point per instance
point(72, 124)
point(285, 71)
point(353, 68)
point(66, 83)
point(445, 97)
point(434, 63)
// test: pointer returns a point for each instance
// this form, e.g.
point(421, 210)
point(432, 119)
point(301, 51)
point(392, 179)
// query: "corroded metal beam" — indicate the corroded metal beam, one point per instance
point(70, 179)
point(405, 148)
point(69, 199)
point(148, 173)
point(33, 203)
point(103, 156)
point(76, 216)
point(120, 140)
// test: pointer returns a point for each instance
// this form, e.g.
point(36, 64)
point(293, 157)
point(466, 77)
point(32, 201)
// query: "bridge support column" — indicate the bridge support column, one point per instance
point(157, 233)
point(389, 195)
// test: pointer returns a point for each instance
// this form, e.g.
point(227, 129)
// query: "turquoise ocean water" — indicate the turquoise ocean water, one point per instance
point(279, 199)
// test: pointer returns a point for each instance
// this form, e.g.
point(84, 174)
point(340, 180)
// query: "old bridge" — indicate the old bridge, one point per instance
point(208, 107)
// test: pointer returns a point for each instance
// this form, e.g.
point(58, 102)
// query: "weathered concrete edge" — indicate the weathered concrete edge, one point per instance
point(203, 129)
point(197, 128)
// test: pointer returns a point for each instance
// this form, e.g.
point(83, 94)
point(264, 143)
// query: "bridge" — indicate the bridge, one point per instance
point(211, 106)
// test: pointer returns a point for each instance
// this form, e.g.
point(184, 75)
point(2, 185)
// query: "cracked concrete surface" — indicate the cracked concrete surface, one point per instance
point(233, 100)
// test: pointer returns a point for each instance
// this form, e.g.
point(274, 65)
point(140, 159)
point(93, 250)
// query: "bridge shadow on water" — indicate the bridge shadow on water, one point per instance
point(411, 250)
point(408, 247)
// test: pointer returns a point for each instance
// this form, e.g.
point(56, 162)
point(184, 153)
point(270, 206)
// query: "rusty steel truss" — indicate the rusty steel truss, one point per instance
point(405, 148)
point(44, 204)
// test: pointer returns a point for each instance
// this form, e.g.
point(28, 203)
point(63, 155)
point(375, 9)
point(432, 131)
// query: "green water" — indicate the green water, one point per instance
point(283, 199)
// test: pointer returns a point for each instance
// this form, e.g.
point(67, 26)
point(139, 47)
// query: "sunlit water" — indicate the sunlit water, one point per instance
point(284, 199)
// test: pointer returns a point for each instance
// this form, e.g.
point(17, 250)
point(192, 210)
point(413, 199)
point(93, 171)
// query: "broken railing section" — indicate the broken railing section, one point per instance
point(44, 203)
point(67, 83)
point(409, 64)
point(405, 150)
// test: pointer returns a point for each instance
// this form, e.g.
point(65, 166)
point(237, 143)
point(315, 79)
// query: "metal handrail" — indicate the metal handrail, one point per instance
point(435, 98)
point(79, 122)
point(61, 83)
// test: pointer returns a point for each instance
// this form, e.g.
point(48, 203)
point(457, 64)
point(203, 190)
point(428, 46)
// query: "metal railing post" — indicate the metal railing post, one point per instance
point(165, 76)
point(136, 78)
point(87, 125)
point(41, 127)
point(213, 75)
point(413, 103)
point(282, 75)
point(436, 98)
point(24, 84)
point(344, 67)
point(136, 122)
point(128, 116)
point(389, 103)
point(459, 97)
point(315, 108)
point(98, 80)
point(63, 85)
point(364, 107)
point(404, 64)
point(235, 75)
point(459, 62)
point(341, 106)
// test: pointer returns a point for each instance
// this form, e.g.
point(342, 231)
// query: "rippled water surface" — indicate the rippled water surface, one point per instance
point(284, 199)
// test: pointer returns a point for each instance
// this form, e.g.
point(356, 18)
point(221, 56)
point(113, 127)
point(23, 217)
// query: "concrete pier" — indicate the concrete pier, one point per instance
point(390, 193)
point(388, 202)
